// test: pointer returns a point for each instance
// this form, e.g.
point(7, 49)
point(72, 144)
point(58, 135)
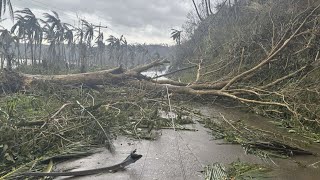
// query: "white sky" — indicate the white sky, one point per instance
point(140, 21)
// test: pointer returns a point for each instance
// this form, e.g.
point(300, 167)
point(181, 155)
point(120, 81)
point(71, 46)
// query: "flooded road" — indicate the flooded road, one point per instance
point(183, 154)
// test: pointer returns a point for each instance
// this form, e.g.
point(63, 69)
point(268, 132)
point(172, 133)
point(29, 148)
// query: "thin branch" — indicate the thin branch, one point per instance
point(241, 60)
point(99, 124)
point(284, 78)
point(273, 54)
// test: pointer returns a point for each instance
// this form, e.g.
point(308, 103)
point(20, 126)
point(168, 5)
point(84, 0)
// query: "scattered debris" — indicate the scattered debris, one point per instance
point(255, 141)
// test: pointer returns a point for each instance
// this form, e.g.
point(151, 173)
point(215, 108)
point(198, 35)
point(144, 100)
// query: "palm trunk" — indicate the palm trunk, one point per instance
point(59, 53)
point(9, 62)
point(25, 52)
point(18, 61)
point(31, 50)
point(40, 50)
point(35, 52)
point(2, 61)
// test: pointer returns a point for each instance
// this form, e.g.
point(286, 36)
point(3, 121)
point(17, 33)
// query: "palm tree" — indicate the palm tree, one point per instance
point(176, 35)
point(114, 47)
point(79, 35)
point(51, 53)
point(29, 25)
point(89, 31)
point(117, 47)
point(101, 47)
point(69, 38)
point(124, 50)
point(55, 30)
point(19, 29)
point(3, 7)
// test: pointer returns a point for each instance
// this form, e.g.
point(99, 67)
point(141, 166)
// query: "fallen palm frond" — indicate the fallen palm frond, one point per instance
point(215, 172)
point(236, 170)
point(263, 143)
point(278, 147)
point(62, 122)
point(243, 171)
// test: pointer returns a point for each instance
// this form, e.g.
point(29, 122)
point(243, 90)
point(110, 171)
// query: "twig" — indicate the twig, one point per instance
point(313, 164)
point(229, 123)
point(59, 110)
point(105, 133)
point(272, 54)
point(284, 77)
point(241, 60)
point(91, 98)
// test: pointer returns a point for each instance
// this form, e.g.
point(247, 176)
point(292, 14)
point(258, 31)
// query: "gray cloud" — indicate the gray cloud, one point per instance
point(140, 21)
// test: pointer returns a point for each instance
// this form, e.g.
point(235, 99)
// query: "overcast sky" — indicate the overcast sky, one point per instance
point(140, 21)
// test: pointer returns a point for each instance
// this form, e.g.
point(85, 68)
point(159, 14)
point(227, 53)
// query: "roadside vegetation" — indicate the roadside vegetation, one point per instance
point(261, 55)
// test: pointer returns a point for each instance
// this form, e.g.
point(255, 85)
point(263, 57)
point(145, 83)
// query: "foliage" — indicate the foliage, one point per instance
point(59, 122)
point(240, 35)
point(260, 142)
point(52, 43)
point(176, 35)
point(240, 170)
point(237, 171)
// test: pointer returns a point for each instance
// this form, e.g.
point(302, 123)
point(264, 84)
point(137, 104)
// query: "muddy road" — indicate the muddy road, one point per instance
point(183, 154)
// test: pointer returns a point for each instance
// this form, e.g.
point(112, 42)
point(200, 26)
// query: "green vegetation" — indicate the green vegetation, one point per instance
point(264, 54)
point(260, 142)
point(261, 54)
point(62, 122)
point(236, 170)
point(57, 46)
point(52, 121)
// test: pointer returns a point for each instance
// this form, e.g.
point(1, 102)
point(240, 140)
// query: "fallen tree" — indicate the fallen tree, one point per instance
point(232, 87)
point(133, 77)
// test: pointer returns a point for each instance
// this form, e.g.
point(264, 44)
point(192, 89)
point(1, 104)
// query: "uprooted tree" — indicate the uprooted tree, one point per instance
point(302, 28)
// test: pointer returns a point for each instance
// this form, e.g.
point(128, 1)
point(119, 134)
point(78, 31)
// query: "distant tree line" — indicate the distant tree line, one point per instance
point(51, 42)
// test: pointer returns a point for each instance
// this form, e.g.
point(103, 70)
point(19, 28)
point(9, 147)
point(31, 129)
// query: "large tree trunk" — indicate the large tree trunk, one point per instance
point(134, 78)
point(111, 76)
